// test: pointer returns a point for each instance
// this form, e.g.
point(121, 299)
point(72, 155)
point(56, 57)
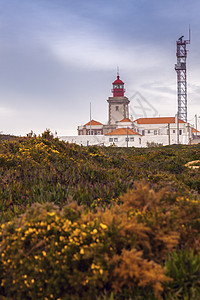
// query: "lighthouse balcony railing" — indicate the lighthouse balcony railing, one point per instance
point(120, 90)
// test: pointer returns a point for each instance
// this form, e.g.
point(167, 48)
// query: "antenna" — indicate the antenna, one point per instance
point(180, 67)
point(189, 34)
point(90, 117)
point(117, 71)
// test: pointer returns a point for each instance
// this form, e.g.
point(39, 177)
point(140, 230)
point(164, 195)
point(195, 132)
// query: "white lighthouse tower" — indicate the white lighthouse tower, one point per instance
point(118, 104)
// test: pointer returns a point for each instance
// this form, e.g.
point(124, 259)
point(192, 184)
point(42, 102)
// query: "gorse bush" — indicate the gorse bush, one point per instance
point(98, 223)
point(73, 253)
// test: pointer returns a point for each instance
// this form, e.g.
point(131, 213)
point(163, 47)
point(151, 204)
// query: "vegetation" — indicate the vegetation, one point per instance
point(82, 221)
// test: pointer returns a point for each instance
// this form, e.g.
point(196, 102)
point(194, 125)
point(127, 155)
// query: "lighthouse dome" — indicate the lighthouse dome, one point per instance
point(118, 81)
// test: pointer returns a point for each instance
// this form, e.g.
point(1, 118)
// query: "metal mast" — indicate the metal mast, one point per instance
point(180, 67)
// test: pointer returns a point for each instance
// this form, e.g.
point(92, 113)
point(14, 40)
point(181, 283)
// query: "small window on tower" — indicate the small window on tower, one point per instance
point(117, 108)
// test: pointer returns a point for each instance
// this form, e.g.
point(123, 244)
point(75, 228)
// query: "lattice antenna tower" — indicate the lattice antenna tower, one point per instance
point(180, 67)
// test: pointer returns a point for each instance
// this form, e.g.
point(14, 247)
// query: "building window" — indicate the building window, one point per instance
point(180, 132)
point(149, 131)
point(132, 139)
point(140, 141)
point(174, 131)
point(155, 132)
point(99, 132)
point(115, 140)
point(117, 108)
point(143, 132)
point(81, 132)
point(127, 139)
point(110, 140)
point(91, 132)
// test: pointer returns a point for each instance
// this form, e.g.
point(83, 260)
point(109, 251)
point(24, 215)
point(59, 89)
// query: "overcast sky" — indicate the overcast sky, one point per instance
point(57, 56)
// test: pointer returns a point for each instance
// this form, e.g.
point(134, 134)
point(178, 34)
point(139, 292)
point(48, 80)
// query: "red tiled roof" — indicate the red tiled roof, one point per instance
point(93, 122)
point(159, 120)
point(126, 120)
point(122, 131)
point(194, 130)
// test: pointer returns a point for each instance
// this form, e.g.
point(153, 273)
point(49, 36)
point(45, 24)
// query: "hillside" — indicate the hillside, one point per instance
point(84, 221)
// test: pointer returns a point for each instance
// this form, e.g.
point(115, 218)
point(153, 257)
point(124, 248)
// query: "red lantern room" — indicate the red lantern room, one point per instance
point(118, 88)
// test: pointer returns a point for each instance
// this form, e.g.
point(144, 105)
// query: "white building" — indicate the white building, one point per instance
point(123, 137)
point(122, 132)
point(91, 128)
point(164, 130)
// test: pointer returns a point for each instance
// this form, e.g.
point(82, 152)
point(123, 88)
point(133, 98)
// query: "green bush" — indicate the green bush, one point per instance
point(184, 268)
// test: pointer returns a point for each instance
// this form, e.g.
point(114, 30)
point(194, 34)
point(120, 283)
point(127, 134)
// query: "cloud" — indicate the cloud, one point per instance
point(6, 112)
point(57, 56)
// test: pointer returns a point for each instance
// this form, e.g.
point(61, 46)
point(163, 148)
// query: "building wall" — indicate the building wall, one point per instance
point(162, 134)
point(118, 109)
point(117, 140)
point(95, 130)
point(121, 140)
point(116, 115)
point(85, 140)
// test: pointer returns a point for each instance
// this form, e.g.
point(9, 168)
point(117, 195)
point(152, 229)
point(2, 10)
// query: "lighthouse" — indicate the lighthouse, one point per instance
point(118, 104)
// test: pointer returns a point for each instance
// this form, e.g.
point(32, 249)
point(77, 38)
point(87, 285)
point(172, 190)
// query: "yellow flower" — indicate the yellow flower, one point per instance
point(44, 253)
point(82, 251)
point(94, 231)
point(51, 213)
point(101, 271)
point(103, 226)
point(32, 280)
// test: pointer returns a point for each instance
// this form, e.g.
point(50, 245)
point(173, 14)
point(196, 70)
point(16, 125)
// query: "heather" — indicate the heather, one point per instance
point(98, 223)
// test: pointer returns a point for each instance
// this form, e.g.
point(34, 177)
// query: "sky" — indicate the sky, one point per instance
point(57, 56)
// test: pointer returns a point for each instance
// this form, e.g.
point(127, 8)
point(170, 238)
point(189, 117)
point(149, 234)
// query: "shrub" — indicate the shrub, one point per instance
point(73, 253)
point(184, 268)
